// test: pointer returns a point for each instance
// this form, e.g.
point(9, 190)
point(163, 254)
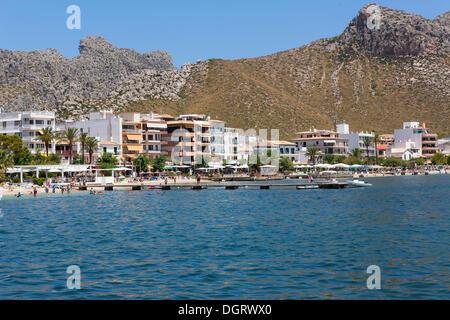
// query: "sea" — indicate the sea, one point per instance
point(387, 241)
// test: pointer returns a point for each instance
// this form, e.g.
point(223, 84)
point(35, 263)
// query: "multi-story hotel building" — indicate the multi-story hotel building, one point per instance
point(132, 138)
point(153, 130)
point(356, 139)
point(326, 141)
point(28, 125)
point(188, 139)
point(217, 142)
point(414, 136)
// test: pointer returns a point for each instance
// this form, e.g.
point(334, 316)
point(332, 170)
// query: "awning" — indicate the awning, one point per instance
point(135, 148)
point(134, 136)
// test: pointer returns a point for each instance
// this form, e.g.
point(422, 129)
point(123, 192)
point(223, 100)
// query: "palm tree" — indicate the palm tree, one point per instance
point(92, 146)
point(47, 136)
point(376, 139)
point(70, 136)
point(356, 153)
point(312, 153)
point(6, 160)
point(367, 142)
point(82, 139)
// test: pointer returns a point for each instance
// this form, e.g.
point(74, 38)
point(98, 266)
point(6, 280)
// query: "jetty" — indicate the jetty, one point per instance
point(226, 186)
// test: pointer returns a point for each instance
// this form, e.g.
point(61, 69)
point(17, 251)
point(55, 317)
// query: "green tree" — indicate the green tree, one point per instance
point(254, 162)
point(54, 159)
point(39, 158)
point(202, 160)
point(158, 163)
point(141, 163)
point(376, 139)
point(107, 161)
point(69, 136)
point(13, 144)
point(339, 159)
point(47, 136)
point(438, 159)
point(356, 153)
point(312, 153)
point(83, 139)
point(77, 159)
point(367, 141)
point(419, 161)
point(448, 160)
point(328, 158)
point(392, 162)
point(286, 164)
point(92, 147)
point(6, 161)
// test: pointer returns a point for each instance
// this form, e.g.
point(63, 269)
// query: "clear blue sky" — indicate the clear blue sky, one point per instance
point(188, 29)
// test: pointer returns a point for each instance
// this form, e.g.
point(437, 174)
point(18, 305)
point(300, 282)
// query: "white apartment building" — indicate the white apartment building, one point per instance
point(101, 125)
point(417, 138)
point(231, 145)
point(217, 144)
point(28, 125)
point(152, 131)
point(356, 139)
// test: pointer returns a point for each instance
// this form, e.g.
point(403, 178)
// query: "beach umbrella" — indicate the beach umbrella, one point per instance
point(341, 165)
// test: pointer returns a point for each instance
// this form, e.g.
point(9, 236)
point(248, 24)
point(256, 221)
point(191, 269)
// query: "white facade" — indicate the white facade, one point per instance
point(217, 141)
point(102, 125)
point(356, 139)
point(27, 125)
point(231, 145)
point(408, 137)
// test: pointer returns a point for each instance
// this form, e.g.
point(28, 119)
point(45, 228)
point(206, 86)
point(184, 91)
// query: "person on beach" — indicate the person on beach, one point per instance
point(35, 192)
point(62, 190)
point(46, 189)
point(198, 178)
point(54, 188)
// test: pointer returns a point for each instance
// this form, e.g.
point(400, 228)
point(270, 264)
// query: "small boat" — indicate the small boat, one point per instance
point(1, 193)
point(313, 186)
point(359, 183)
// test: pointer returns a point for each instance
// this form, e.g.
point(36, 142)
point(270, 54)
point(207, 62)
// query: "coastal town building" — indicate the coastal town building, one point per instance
point(217, 141)
point(386, 139)
point(188, 139)
point(326, 141)
point(28, 125)
point(153, 130)
point(231, 145)
point(132, 139)
point(417, 139)
point(356, 139)
point(101, 125)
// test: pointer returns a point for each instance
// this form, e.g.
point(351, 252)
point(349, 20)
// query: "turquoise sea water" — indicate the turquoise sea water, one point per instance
point(231, 244)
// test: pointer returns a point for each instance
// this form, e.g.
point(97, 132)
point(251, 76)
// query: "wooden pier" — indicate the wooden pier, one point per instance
point(226, 186)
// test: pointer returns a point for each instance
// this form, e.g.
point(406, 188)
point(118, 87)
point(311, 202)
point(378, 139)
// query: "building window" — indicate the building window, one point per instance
point(39, 121)
point(104, 149)
point(49, 122)
point(115, 150)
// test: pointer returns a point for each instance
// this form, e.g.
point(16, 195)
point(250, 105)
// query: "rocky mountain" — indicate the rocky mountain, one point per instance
point(387, 67)
point(100, 76)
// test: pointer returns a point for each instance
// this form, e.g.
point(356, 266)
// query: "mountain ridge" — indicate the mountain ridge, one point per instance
point(373, 78)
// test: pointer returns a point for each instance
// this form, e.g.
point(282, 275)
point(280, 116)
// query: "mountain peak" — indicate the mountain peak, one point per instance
point(94, 44)
point(385, 31)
